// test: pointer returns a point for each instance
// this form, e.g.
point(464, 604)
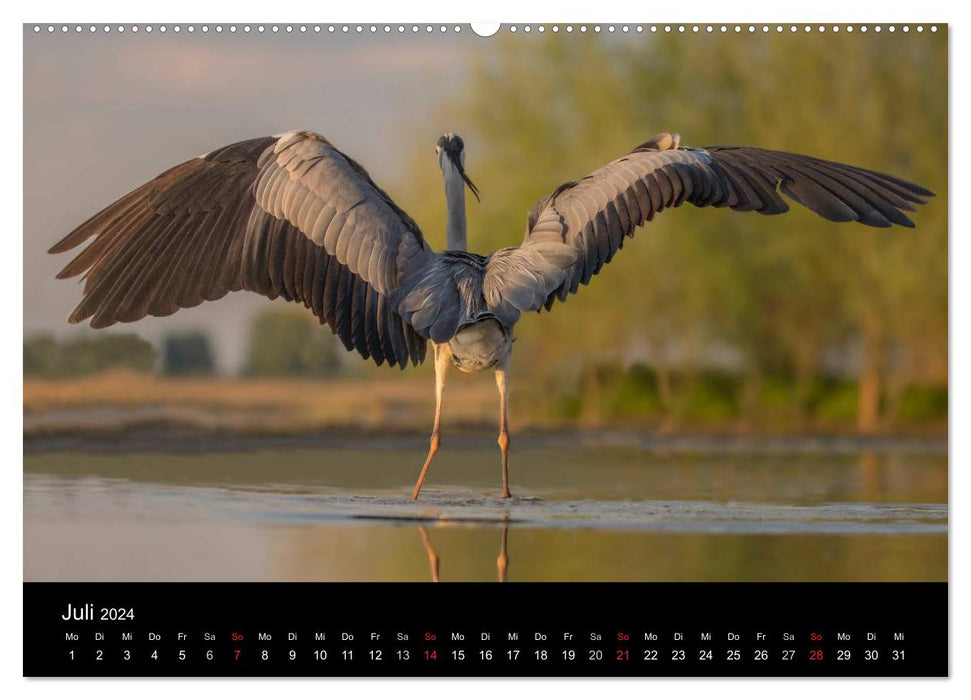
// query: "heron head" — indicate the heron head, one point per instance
point(451, 150)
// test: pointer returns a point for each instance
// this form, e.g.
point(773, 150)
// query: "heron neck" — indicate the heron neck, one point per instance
point(455, 202)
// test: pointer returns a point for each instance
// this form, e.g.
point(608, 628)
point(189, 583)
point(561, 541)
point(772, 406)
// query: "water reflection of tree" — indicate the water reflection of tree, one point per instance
point(391, 553)
point(871, 476)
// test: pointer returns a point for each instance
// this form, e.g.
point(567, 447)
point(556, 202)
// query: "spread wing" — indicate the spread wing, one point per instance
point(286, 215)
point(594, 215)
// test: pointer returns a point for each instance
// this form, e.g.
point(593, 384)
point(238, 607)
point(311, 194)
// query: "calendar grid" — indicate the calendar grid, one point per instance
point(479, 629)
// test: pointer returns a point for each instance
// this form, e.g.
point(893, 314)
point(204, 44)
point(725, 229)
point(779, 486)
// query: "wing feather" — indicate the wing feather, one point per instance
point(593, 215)
point(286, 216)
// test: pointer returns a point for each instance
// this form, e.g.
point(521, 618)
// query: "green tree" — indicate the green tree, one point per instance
point(44, 356)
point(187, 355)
point(792, 296)
point(41, 356)
point(290, 343)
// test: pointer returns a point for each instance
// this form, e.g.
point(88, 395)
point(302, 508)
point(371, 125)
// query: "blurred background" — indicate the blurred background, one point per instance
point(727, 379)
point(730, 322)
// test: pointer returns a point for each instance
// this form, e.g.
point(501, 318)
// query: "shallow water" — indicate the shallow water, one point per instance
point(342, 512)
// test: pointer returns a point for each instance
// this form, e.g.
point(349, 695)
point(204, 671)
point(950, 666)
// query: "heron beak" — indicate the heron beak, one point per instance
point(475, 190)
point(457, 162)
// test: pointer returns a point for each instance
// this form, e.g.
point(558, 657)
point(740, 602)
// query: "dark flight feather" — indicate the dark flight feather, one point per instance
point(593, 215)
point(287, 216)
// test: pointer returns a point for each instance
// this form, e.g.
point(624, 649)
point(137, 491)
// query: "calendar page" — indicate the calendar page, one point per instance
point(547, 349)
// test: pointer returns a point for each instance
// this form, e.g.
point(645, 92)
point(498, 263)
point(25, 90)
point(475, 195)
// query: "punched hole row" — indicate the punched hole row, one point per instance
point(514, 28)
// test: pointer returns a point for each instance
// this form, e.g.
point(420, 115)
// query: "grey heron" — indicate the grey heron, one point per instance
point(292, 216)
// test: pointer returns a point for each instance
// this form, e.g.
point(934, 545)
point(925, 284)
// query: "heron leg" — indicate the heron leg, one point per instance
point(432, 555)
point(441, 367)
point(502, 562)
point(503, 424)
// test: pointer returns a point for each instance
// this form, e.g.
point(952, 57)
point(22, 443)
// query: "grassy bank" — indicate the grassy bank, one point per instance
point(110, 400)
point(117, 399)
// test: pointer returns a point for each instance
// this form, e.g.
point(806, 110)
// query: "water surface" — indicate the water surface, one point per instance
point(616, 513)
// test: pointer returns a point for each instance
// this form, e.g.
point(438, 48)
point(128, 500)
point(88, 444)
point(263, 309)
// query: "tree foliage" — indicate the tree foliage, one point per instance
point(290, 343)
point(187, 355)
point(794, 296)
point(45, 356)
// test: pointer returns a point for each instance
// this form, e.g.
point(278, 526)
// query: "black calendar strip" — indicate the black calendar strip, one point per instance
point(340, 629)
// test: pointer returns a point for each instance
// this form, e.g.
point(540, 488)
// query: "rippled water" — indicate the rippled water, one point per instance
point(342, 512)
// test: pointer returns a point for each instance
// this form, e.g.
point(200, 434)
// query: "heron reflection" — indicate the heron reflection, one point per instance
point(502, 561)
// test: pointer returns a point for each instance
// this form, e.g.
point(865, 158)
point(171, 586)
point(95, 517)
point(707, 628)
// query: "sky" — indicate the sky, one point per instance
point(106, 113)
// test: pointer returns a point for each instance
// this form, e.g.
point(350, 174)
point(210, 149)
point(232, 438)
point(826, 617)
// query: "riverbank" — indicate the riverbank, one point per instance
point(125, 405)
